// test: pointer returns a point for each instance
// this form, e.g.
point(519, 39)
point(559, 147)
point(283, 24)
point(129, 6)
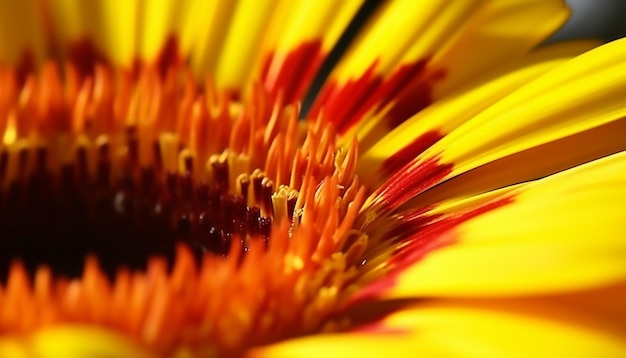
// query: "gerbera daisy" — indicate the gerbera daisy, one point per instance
point(452, 190)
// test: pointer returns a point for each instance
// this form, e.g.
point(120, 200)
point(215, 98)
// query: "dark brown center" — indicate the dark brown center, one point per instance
point(58, 218)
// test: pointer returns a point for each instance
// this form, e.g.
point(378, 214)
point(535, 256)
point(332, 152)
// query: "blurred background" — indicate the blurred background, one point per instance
point(604, 19)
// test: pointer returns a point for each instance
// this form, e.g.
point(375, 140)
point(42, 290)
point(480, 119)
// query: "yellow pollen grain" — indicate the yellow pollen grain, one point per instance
point(293, 262)
point(280, 202)
point(10, 133)
point(168, 144)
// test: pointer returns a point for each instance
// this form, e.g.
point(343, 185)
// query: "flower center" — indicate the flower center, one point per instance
point(58, 218)
point(159, 208)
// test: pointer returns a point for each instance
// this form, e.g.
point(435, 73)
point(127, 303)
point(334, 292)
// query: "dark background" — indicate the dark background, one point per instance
point(604, 19)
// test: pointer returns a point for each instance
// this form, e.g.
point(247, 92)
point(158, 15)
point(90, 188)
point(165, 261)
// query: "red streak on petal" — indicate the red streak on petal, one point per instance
point(84, 55)
point(292, 73)
point(398, 80)
point(414, 97)
point(169, 56)
point(429, 233)
point(25, 66)
point(340, 103)
point(411, 180)
point(410, 151)
point(346, 104)
point(412, 221)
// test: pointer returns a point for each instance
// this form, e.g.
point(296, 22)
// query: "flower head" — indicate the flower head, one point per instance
point(453, 189)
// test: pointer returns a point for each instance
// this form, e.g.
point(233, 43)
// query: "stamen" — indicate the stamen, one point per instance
point(149, 194)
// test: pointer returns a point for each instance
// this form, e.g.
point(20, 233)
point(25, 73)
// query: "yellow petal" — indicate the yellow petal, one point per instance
point(299, 37)
point(161, 21)
point(206, 31)
point(242, 42)
point(541, 327)
point(532, 163)
point(109, 26)
point(427, 40)
point(356, 81)
point(281, 43)
point(346, 345)
point(516, 328)
point(502, 29)
point(401, 24)
point(21, 33)
point(582, 94)
point(71, 341)
point(445, 115)
point(588, 324)
point(562, 233)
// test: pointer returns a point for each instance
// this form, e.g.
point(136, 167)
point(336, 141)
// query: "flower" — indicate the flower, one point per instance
point(454, 189)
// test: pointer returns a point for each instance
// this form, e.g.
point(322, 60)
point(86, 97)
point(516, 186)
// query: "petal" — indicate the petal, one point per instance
point(445, 115)
point(106, 28)
point(372, 70)
point(158, 22)
point(346, 345)
point(242, 42)
point(562, 233)
point(588, 324)
point(71, 341)
point(426, 38)
point(401, 24)
point(583, 94)
point(205, 31)
point(519, 328)
point(503, 29)
point(279, 43)
point(299, 38)
point(532, 163)
point(21, 33)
